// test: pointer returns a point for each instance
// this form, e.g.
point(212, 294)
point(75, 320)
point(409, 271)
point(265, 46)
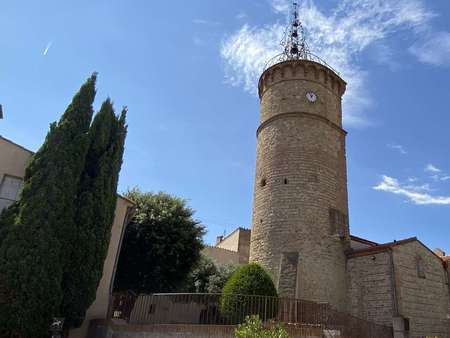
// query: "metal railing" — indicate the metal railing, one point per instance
point(218, 309)
point(309, 57)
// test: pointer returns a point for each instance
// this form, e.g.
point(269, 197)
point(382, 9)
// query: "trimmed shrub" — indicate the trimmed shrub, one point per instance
point(237, 301)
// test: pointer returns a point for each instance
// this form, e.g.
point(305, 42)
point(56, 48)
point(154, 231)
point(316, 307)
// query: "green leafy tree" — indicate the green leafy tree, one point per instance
point(206, 277)
point(95, 213)
point(248, 280)
point(7, 220)
point(218, 280)
point(161, 244)
point(253, 328)
point(198, 279)
point(38, 245)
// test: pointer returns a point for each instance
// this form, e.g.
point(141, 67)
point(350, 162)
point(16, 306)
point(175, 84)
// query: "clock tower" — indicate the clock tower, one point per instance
point(300, 211)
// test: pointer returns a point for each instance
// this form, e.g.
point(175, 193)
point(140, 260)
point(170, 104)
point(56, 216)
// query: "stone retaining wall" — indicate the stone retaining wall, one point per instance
point(102, 329)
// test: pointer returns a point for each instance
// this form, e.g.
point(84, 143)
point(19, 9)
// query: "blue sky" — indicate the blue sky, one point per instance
point(188, 70)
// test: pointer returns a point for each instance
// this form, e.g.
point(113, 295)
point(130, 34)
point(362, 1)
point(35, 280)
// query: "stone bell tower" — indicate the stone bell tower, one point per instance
point(300, 211)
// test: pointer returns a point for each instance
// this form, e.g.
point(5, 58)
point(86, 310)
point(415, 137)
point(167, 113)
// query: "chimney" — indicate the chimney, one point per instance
point(219, 239)
point(439, 252)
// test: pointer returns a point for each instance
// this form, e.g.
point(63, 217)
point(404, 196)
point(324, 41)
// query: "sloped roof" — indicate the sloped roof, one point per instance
point(15, 144)
point(388, 246)
point(363, 240)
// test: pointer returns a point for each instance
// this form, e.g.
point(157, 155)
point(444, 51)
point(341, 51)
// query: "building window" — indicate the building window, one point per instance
point(9, 190)
point(420, 267)
point(263, 182)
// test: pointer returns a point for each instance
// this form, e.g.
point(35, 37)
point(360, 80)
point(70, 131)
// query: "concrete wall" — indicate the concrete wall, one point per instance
point(425, 301)
point(234, 249)
point(221, 256)
point(13, 161)
point(99, 309)
point(13, 158)
point(230, 242)
point(370, 286)
point(197, 331)
point(300, 195)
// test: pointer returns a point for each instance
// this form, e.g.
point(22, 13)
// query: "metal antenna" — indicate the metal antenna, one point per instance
point(294, 42)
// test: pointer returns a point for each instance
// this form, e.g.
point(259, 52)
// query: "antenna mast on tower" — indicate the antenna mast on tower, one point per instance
point(294, 42)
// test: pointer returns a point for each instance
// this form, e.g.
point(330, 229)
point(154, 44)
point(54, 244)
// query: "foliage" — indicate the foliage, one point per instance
point(96, 204)
point(253, 328)
point(206, 277)
point(161, 244)
point(217, 281)
point(38, 245)
point(250, 279)
point(7, 220)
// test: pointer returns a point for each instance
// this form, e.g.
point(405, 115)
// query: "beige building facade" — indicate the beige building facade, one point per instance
point(300, 210)
point(233, 249)
point(13, 161)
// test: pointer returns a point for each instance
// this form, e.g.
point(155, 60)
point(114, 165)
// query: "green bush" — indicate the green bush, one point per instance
point(253, 328)
point(237, 302)
point(206, 277)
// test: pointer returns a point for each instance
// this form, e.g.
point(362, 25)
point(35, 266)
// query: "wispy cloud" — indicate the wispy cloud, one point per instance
point(281, 6)
point(433, 49)
point(206, 22)
point(339, 38)
point(437, 174)
point(398, 148)
point(419, 195)
point(430, 168)
point(47, 48)
point(241, 16)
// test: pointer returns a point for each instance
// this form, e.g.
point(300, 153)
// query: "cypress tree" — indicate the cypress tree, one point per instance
point(95, 212)
point(37, 246)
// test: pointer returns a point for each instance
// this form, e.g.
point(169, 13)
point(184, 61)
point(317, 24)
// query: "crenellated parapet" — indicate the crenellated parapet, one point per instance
point(301, 70)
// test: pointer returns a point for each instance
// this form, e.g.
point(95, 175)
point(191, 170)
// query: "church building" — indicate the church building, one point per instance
point(300, 228)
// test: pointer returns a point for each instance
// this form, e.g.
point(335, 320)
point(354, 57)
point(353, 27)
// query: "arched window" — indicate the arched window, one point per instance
point(420, 267)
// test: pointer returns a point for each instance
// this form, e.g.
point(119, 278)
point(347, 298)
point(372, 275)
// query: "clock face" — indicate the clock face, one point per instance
point(311, 96)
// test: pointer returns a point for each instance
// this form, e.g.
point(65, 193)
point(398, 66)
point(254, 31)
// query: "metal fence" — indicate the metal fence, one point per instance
point(218, 309)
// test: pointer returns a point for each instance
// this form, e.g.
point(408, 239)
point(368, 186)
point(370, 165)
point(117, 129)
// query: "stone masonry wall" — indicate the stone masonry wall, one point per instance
point(425, 301)
point(301, 183)
point(370, 288)
point(195, 331)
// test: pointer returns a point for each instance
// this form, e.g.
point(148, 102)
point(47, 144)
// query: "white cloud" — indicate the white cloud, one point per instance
point(241, 16)
point(281, 6)
point(206, 22)
point(433, 49)
point(339, 38)
point(398, 148)
point(432, 169)
point(415, 194)
point(47, 48)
